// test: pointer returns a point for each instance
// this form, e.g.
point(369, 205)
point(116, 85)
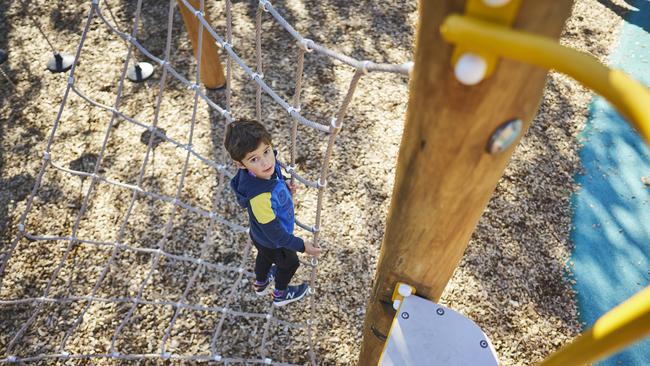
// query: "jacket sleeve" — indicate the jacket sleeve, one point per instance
point(270, 225)
point(240, 200)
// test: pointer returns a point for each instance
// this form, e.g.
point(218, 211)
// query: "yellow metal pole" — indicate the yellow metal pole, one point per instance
point(629, 96)
point(625, 324)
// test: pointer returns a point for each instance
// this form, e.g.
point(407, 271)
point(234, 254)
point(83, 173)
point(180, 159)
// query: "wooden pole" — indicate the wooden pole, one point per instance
point(444, 175)
point(211, 69)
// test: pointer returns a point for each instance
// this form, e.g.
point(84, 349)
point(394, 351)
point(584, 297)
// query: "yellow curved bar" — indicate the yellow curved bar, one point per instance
point(630, 97)
point(625, 324)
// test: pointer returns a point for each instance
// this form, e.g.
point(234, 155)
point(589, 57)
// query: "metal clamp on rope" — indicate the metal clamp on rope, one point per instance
point(306, 44)
point(364, 67)
point(264, 3)
point(333, 125)
point(227, 116)
point(291, 110)
point(321, 184)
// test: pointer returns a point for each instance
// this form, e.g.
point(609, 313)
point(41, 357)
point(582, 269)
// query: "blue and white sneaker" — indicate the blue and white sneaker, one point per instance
point(263, 289)
point(291, 294)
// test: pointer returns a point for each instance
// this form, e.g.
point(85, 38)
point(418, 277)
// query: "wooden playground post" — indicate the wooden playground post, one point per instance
point(444, 175)
point(212, 74)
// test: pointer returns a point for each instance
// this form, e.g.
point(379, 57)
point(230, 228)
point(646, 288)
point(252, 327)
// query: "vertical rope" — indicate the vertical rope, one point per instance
point(296, 105)
point(46, 158)
point(228, 58)
point(120, 235)
point(258, 59)
point(179, 189)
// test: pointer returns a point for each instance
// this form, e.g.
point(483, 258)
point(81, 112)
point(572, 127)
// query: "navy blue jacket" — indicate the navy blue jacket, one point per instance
point(270, 209)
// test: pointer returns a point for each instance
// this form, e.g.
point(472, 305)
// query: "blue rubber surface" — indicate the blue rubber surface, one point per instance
point(612, 209)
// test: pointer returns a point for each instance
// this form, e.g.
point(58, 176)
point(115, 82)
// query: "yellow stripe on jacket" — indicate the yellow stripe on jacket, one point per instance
point(261, 206)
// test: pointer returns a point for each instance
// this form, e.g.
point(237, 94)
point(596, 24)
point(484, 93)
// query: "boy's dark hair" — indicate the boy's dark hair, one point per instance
point(243, 137)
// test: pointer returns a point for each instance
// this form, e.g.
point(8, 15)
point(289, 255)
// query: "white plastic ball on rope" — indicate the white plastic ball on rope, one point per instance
point(495, 3)
point(470, 69)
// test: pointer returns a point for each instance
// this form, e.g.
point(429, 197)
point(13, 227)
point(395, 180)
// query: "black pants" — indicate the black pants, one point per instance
point(286, 260)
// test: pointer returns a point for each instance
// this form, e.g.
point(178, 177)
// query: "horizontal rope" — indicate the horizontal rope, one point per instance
point(165, 65)
point(221, 168)
point(176, 257)
point(308, 44)
point(144, 356)
point(254, 76)
point(130, 300)
point(164, 198)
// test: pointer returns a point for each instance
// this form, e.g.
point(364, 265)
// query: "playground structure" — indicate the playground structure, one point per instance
point(430, 291)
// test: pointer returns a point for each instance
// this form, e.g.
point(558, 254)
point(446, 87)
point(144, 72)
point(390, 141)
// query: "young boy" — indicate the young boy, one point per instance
point(261, 188)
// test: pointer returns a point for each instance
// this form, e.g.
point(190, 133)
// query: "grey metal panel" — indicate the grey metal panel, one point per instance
point(426, 333)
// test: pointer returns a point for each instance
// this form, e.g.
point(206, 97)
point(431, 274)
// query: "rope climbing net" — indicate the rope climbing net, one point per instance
point(216, 221)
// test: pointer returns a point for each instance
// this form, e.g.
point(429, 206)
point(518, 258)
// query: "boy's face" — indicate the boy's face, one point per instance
point(260, 162)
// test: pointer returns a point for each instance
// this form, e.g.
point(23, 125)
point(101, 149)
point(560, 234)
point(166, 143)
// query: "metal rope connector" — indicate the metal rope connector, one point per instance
point(226, 114)
point(321, 184)
point(268, 361)
point(198, 14)
point(216, 357)
point(291, 110)
point(364, 67)
point(334, 125)
point(264, 4)
point(306, 44)
point(290, 168)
